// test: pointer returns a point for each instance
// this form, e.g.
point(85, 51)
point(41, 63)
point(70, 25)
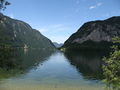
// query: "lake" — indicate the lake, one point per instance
point(51, 70)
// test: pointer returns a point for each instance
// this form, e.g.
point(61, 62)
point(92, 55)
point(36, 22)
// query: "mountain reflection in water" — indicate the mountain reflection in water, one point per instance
point(88, 63)
point(19, 61)
point(48, 68)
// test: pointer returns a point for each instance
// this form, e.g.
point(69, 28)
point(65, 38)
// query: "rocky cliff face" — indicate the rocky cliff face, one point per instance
point(93, 34)
point(15, 33)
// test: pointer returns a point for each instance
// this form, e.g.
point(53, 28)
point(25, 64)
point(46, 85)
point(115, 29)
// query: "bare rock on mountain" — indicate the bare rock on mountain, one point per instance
point(16, 33)
point(95, 34)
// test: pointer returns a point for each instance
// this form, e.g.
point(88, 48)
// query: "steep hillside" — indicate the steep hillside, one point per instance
point(15, 33)
point(95, 35)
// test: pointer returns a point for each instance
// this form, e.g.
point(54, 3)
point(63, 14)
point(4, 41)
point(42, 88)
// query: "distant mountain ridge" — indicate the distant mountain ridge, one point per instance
point(57, 45)
point(16, 33)
point(95, 34)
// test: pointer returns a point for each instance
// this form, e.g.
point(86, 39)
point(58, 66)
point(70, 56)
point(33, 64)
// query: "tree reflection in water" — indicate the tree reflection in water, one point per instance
point(88, 63)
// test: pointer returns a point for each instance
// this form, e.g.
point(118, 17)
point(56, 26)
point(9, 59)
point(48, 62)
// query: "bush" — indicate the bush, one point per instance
point(111, 67)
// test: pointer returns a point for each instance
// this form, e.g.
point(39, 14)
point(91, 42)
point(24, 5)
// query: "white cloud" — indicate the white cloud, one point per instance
point(95, 6)
point(92, 7)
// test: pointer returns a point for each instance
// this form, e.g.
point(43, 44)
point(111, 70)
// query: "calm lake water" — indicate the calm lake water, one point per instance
point(48, 70)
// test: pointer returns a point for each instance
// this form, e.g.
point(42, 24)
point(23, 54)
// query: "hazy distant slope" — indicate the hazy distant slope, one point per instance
point(57, 45)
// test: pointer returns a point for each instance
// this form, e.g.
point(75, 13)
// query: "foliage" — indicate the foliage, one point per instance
point(3, 4)
point(111, 67)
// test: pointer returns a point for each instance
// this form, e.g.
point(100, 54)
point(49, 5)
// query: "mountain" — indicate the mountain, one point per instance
point(16, 33)
point(95, 35)
point(57, 45)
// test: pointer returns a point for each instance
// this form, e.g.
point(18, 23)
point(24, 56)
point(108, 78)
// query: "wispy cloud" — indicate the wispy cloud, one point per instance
point(95, 6)
point(92, 7)
point(53, 28)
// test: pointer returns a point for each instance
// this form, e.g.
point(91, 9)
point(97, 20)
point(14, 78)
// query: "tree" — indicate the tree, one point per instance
point(111, 67)
point(3, 4)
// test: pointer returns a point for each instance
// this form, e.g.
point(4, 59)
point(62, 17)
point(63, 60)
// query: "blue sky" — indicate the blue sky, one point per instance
point(58, 19)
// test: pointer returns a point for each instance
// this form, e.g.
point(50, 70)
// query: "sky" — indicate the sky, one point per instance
point(58, 19)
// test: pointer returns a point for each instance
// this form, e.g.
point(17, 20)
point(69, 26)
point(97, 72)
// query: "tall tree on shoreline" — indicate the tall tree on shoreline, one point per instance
point(111, 67)
point(3, 4)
